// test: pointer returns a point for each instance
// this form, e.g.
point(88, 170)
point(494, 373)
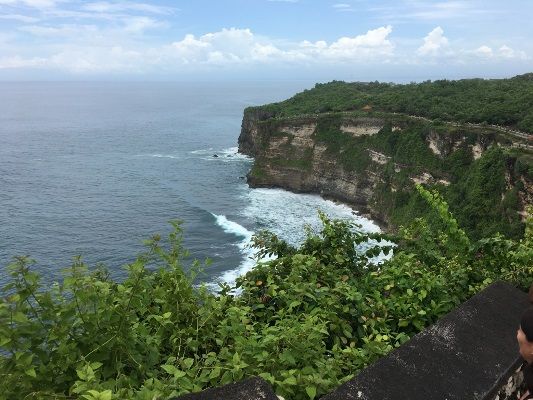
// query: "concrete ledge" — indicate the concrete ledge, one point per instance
point(468, 354)
point(249, 389)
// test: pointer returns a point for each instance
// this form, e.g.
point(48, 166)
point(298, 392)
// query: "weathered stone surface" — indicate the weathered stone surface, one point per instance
point(512, 389)
point(249, 389)
point(468, 354)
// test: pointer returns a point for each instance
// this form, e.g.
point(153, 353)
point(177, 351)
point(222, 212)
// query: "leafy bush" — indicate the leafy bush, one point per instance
point(306, 321)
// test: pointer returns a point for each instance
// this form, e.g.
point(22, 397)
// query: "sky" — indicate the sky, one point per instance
point(320, 40)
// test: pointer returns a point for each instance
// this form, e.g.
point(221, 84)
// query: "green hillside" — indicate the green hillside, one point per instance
point(505, 102)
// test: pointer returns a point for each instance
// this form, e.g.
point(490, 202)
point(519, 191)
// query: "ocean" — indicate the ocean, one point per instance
point(93, 169)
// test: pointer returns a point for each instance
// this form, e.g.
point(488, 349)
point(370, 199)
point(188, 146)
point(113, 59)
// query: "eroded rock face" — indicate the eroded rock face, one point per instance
point(362, 126)
point(253, 136)
point(289, 154)
point(275, 143)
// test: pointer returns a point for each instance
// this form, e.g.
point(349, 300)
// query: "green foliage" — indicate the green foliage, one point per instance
point(257, 172)
point(306, 321)
point(505, 102)
point(481, 200)
point(483, 194)
point(486, 195)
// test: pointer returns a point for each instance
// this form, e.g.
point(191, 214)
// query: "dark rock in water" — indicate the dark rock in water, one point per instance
point(242, 177)
point(229, 155)
point(215, 155)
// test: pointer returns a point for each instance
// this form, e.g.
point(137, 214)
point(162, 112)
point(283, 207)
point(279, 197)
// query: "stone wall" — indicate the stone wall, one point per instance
point(471, 353)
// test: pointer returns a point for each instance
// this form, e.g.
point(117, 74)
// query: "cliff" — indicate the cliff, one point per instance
point(288, 155)
point(372, 160)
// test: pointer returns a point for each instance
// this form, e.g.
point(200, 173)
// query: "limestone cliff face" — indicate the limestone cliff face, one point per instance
point(287, 155)
point(251, 133)
point(298, 155)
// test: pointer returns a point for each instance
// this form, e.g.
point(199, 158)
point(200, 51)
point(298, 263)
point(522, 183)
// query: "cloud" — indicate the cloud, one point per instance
point(441, 10)
point(127, 25)
point(242, 46)
point(484, 51)
point(16, 62)
point(502, 53)
point(88, 49)
point(66, 31)
point(19, 17)
point(98, 60)
point(409, 11)
point(343, 7)
point(434, 42)
point(115, 7)
point(39, 4)
point(374, 43)
point(93, 49)
point(141, 24)
point(509, 53)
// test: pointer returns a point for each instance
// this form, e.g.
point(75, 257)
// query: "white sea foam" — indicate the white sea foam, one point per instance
point(202, 151)
point(230, 154)
point(285, 214)
point(245, 235)
point(233, 228)
point(172, 156)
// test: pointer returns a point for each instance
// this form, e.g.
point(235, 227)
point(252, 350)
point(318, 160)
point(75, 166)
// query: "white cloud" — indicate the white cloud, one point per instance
point(88, 33)
point(107, 7)
point(507, 52)
point(241, 45)
point(343, 7)
point(408, 10)
point(39, 4)
point(502, 53)
point(97, 60)
point(374, 43)
point(90, 52)
point(20, 18)
point(66, 31)
point(441, 10)
point(87, 48)
point(141, 24)
point(434, 42)
point(16, 62)
point(484, 51)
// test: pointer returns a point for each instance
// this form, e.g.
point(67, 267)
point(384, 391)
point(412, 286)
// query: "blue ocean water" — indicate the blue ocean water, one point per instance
point(92, 169)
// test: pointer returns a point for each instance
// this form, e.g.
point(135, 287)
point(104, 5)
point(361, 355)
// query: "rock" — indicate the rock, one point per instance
point(468, 354)
point(249, 389)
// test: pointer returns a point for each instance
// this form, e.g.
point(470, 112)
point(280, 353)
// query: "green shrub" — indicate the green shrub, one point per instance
point(306, 321)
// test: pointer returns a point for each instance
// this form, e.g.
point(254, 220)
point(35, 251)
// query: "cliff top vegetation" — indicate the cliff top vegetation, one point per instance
point(503, 102)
